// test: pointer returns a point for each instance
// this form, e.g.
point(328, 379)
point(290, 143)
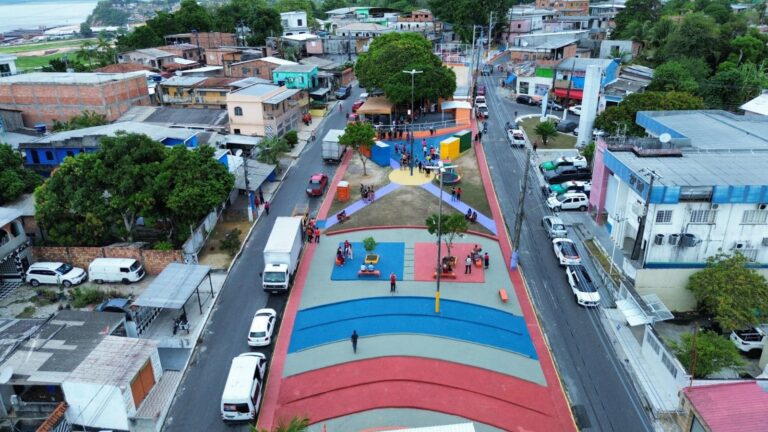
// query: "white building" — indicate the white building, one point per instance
point(709, 194)
point(7, 65)
point(294, 22)
point(757, 106)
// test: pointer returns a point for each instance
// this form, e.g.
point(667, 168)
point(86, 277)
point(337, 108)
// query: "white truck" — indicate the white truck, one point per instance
point(332, 150)
point(281, 254)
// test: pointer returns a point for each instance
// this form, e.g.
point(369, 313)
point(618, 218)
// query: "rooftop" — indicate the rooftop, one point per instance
point(183, 46)
point(320, 62)
point(257, 90)
point(7, 57)
point(301, 68)
point(67, 78)
point(114, 361)
point(246, 82)
point(183, 81)
point(708, 130)
point(157, 133)
point(736, 407)
point(758, 105)
point(545, 44)
point(581, 64)
point(123, 68)
point(25, 205)
point(361, 26)
point(276, 60)
point(153, 52)
point(283, 95)
point(188, 116)
point(302, 37)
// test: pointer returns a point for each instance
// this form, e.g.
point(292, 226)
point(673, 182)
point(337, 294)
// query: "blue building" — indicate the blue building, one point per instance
point(570, 74)
point(298, 76)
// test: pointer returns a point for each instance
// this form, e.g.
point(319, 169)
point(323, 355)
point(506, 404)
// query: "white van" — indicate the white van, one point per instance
point(242, 393)
point(125, 270)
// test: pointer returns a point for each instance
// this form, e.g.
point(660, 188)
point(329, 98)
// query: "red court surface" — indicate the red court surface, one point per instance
point(425, 256)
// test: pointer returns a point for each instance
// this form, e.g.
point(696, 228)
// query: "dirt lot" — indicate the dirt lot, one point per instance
point(472, 190)
point(212, 254)
point(376, 176)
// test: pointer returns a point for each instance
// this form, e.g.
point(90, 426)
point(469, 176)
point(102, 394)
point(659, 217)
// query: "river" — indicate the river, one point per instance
point(48, 13)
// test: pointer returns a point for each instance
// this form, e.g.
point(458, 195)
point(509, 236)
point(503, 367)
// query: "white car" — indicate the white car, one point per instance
point(750, 340)
point(584, 291)
point(54, 273)
point(568, 201)
point(262, 327)
point(565, 251)
point(480, 100)
point(576, 109)
point(554, 227)
point(516, 137)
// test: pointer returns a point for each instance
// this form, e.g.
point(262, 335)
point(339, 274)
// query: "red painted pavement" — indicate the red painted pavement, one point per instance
point(425, 261)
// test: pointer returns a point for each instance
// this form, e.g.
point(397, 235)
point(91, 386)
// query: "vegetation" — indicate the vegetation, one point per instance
point(82, 297)
point(359, 136)
point(292, 138)
point(97, 53)
point(589, 152)
point(369, 243)
point(45, 297)
point(450, 226)
point(622, 116)
point(104, 15)
point(707, 353)
point(28, 312)
point(391, 54)
point(95, 198)
point(463, 14)
point(14, 178)
point(730, 291)
point(231, 242)
point(271, 149)
point(84, 120)
point(546, 130)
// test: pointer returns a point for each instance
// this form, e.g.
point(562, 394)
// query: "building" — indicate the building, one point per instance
point(14, 246)
point(623, 49)
point(222, 57)
point(204, 119)
point(418, 15)
point(7, 65)
point(46, 96)
point(124, 68)
point(530, 79)
point(570, 74)
point(632, 79)
point(546, 49)
point(757, 106)
point(196, 91)
point(698, 187)
point(727, 407)
point(265, 110)
point(565, 7)
point(299, 76)
point(525, 20)
point(152, 57)
point(294, 22)
point(362, 30)
point(185, 51)
point(45, 153)
point(203, 39)
point(261, 68)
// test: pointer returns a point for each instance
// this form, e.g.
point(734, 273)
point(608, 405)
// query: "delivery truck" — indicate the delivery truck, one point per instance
point(281, 254)
point(332, 150)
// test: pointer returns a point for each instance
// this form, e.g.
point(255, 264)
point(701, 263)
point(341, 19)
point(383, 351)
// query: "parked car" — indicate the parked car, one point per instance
point(262, 327)
point(480, 100)
point(516, 137)
point(565, 251)
point(343, 92)
point(566, 126)
point(358, 103)
point(483, 110)
point(125, 270)
point(570, 186)
point(54, 273)
point(554, 106)
point(554, 227)
point(576, 109)
point(584, 290)
point(527, 100)
point(317, 184)
point(241, 398)
point(487, 70)
point(750, 340)
point(480, 90)
point(579, 161)
point(568, 201)
point(567, 173)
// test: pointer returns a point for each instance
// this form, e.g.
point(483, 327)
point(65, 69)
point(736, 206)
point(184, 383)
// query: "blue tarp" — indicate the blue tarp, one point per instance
point(511, 78)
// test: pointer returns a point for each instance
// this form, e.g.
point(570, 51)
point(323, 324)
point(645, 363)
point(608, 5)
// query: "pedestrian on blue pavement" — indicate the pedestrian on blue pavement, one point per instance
point(453, 194)
point(421, 167)
point(486, 260)
point(458, 194)
point(354, 341)
point(468, 265)
point(392, 283)
point(266, 207)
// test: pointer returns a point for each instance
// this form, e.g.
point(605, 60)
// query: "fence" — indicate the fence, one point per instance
point(195, 242)
point(154, 261)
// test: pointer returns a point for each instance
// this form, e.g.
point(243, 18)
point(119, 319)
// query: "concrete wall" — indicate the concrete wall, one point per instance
point(154, 261)
point(96, 405)
point(253, 68)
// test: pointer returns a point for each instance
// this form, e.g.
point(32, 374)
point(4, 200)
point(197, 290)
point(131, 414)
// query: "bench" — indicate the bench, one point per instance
point(503, 295)
point(376, 273)
point(449, 275)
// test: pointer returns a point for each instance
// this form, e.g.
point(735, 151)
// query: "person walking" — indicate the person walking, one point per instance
point(354, 341)
point(458, 194)
point(453, 194)
point(317, 235)
point(486, 260)
point(392, 283)
point(261, 196)
point(468, 265)
point(424, 148)
point(421, 167)
point(341, 107)
point(266, 207)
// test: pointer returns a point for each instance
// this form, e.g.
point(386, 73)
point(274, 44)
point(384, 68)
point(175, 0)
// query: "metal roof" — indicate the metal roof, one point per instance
point(758, 105)
point(737, 407)
point(8, 215)
point(183, 81)
point(246, 82)
point(67, 78)
point(583, 63)
point(709, 130)
point(257, 174)
point(173, 286)
point(276, 99)
point(155, 132)
point(256, 90)
point(296, 68)
point(153, 52)
point(276, 60)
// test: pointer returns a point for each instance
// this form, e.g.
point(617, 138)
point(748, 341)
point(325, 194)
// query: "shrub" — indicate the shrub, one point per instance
point(292, 138)
point(369, 244)
point(231, 242)
point(163, 246)
point(28, 312)
point(82, 297)
point(713, 353)
point(45, 297)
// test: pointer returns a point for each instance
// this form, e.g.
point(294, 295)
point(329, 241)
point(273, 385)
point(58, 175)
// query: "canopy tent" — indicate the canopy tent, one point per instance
point(376, 105)
point(456, 105)
point(174, 286)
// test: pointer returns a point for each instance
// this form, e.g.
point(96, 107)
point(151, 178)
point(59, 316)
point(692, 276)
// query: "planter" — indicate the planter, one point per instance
point(371, 259)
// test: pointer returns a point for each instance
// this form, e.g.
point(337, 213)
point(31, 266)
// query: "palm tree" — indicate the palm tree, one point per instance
point(295, 424)
point(545, 131)
point(85, 53)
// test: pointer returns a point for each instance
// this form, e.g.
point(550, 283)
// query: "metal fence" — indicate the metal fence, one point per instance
point(199, 235)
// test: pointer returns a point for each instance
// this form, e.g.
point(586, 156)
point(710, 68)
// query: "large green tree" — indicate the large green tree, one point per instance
point(14, 178)
point(141, 37)
point(730, 291)
point(707, 353)
point(731, 86)
point(391, 54)
point(636, 11)
point(623, 115)
point(84, 120)
point(698, 35)
point(359, 136)
point(463, 14)
point(673, 76)
point(262, 20)
point(450, 226)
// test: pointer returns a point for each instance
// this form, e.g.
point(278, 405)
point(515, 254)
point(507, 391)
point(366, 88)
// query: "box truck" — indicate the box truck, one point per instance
point(281, 254)
point(332, 150)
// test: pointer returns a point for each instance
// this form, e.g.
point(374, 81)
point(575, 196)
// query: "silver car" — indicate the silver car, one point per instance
point(554, 227)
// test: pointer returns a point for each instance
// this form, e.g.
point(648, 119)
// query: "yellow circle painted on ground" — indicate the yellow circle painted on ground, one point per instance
point(404, 177)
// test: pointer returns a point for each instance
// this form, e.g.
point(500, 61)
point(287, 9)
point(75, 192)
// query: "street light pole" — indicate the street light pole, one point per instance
point(413, 73)
point(440, 170)
point(520, 211)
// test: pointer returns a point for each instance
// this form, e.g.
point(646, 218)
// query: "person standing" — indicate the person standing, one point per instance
point(261, 196)
point(266, 207)
point(486, 260)
point(458, 194)
point(341, 107)
point(354, 341)
point(317, 235)
point(468, 265)
point(453, 194)
point(392, 283)
point(421, 167)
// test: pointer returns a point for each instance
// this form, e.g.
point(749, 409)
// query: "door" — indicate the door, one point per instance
point(142, 384)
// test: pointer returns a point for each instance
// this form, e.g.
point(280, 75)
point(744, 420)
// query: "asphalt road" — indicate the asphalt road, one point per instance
point(196, 406)
point(598, 387)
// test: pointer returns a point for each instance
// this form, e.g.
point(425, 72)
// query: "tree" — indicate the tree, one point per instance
point(85, 30)
point(463, 14)
point(730, 291)
point(334, 4)
point(141, 37)
point(589, 152)
point(295, 424)
point(450, 226)
point(391, 54)
point(261, 20)
point(192, 16)
point(731, 86)
point(546, 130)
point(270, 150)
point(85, 53)
point(698, 35)
point(623, 115)
point(359, 136)
point(673, 76)
point(84, 120)
point(637, 11)
point(14, 178)
point(747, 48)
point(711, 353)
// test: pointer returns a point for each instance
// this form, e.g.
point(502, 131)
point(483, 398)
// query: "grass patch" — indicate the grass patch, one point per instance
point(82, 297)
point(15, 49)
point(561, 141)
point(28, 312)
point(45, 297)
point(25, 63)
point(603, 260)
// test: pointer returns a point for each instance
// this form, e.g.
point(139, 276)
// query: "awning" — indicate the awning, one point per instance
point(174, 286)
point(454, 104)
point(511, 78)
point(376, 105)
point(320, 92)
point(571, 94)
point(632, 312)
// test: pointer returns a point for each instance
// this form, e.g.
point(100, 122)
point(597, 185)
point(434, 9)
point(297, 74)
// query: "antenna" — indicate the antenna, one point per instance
point(665, 138)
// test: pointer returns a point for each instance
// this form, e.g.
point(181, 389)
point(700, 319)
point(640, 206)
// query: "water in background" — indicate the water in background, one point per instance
point(35, 13)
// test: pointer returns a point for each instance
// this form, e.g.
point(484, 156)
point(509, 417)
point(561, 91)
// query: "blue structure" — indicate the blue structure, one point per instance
point(575, 69)
point(380, 153)
point(296, 76)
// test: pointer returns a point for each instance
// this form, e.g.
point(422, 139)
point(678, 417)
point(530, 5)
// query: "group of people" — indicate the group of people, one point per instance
point(313, 232)
point(367, 193)
point(307, 118)
point(344, 252)
point(470, 215)
point(455, 194)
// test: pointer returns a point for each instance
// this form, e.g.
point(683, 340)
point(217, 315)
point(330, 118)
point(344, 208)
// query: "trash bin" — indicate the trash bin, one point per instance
point(342, 191)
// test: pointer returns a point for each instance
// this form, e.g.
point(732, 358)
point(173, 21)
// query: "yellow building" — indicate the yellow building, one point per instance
point(265, 110)
point(198, 92)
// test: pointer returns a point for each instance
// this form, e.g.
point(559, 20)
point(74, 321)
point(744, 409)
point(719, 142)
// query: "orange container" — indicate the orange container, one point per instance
point(342, 191)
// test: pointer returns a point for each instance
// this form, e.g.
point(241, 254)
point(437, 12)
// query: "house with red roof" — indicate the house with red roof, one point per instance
point(733, 407)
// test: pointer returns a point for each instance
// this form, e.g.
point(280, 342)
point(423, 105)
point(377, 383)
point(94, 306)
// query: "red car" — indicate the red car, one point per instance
point(357, 105)
point(317, 184)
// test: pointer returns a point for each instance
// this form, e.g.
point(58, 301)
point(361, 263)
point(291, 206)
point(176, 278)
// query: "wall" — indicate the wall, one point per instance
point(532, 85)
point(253, 68)
point(96, 405)
point(154, 261)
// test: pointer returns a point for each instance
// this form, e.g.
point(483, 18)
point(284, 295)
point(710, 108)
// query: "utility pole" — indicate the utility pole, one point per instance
point(568, 92)
point(490, 31)
point(413, 73)
point(520, 210)
point(247, 188)
point(641, 226)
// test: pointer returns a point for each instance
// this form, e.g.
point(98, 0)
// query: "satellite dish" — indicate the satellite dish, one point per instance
point(665, 137)
point(6, 375)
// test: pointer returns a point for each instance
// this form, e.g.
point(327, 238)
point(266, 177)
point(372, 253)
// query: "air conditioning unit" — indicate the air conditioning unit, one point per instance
point(689, 240)
point(659, 239)
point(673, 239)
point(762, 206)
point(715, 206)
point(740, 245)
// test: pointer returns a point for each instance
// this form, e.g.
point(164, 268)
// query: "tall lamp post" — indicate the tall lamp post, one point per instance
point(440, 169)
point(413, 73)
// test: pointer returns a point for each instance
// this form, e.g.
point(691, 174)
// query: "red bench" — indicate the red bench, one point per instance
point(503, 295)
point(376, 273)
point(449, 275)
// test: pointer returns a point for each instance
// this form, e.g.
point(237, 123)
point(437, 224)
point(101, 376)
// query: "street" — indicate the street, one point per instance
point(599, 388)
point(197, 402)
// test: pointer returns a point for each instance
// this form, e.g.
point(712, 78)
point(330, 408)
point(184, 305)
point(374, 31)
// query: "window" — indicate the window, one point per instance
point(299, 21)
point(245, 71)
point(664, 216)
point(70, 153)
point(237, 131)
point(524, 89)
point(754, 217)
point(703, 216)
point(35, 157)
point(238, 111)
point(669, 365)
point(49, 155)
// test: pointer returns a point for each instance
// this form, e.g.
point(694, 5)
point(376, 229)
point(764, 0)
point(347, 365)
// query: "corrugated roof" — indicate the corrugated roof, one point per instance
point(256, 90)
point(173, 286)
point(183, 81)
point(583, 63)
point(68, 78)
point(276, 60)
point(296, 68)
point(758, 105)
point(153, 52)
point(153, 131)
point(276, 99)
point(115, 361)
point(8, 215)
point(737, 407)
